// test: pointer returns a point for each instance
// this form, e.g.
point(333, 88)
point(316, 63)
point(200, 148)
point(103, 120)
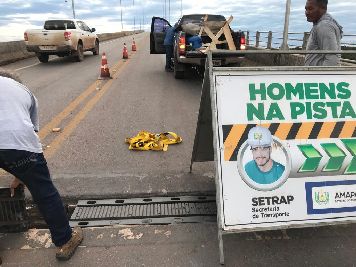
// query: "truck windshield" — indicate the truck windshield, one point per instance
point(59, 25)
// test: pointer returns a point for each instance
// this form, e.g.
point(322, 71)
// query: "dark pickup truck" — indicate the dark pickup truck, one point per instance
point(184, 54)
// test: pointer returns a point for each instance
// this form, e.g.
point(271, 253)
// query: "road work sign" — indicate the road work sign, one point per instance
point(286, 146)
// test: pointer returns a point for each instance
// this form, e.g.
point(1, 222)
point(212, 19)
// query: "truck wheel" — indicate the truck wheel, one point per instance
point(96, 48)
point(43, 58)
point(178, 70)
point(80, 53)
point(178, 74)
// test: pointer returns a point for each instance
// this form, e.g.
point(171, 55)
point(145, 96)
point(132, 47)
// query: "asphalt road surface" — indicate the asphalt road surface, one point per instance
point(88, 157)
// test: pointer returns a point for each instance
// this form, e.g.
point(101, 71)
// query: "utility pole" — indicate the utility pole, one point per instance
point(169, 10)
point(133, 4)
point(286, 26)
point(73, 9)
point(181, 8)
point(143, 18)
point(122, 25)
point(165, 9)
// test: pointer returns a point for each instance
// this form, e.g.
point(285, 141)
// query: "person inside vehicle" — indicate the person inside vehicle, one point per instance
point(262, 169)
point(326, 34)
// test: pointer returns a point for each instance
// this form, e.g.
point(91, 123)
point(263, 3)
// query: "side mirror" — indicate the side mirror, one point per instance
point(93, 30)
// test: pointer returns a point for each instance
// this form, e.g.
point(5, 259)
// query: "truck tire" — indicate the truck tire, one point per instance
point(80, 53)
point(43, 58)
point(96, 48)
point(178, 69)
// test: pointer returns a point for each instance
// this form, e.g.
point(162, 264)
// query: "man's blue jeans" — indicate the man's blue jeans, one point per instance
point(169, 55)
point(31, 168)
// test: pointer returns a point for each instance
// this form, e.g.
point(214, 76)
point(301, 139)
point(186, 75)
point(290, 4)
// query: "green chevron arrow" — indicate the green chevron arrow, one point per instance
point(336, 155)
point(350, 144)
point(313, 158)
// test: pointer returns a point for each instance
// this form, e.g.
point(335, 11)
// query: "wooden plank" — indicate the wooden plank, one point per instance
point(215, 38)
point(228, 37)
point(202, 27)
point(220, 32)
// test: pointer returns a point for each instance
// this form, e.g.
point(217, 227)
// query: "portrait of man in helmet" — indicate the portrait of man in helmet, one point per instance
point(262, 169)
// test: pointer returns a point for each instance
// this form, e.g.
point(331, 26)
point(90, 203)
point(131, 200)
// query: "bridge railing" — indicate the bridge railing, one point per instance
point(296, 40)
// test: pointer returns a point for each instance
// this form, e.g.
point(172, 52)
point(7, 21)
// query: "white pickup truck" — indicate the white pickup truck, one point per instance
point(67, 37)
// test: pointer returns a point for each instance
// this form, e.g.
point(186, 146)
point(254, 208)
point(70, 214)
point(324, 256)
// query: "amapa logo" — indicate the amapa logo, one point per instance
point(321, 197)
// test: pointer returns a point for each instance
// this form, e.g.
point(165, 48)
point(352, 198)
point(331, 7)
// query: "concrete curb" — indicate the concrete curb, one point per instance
point(16, 50)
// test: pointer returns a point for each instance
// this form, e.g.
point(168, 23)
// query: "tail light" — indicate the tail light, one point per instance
point(67, 35)
point(25, 36)
point(242, 43)
point(181, 44)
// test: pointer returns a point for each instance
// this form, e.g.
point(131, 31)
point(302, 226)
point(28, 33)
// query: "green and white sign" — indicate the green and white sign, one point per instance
point(286, 146)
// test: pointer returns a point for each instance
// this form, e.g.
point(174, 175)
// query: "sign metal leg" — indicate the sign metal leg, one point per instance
point(221, 247)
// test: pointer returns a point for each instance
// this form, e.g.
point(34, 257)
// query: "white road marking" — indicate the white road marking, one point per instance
point(27, 66)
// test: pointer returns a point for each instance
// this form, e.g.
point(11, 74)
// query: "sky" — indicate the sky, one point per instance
point(105, 15)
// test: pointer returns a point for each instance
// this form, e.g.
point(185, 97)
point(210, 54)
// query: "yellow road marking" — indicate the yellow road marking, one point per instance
point(72, 125)
point(80, 116)
point(47, 129)
point(55, 122)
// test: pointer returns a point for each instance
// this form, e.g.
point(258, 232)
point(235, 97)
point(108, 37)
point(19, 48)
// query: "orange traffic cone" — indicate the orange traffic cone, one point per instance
point(125, 54)
point(133, 48)
point(104, 69)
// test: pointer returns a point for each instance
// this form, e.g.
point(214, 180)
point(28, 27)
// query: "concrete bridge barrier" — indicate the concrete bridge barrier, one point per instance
point(12, 51)
point(16, 50)
point(271, 59)
point(275, 59)
point(272, 40)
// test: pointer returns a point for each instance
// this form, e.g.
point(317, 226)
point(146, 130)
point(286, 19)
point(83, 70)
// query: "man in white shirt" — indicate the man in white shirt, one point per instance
point(21, 155)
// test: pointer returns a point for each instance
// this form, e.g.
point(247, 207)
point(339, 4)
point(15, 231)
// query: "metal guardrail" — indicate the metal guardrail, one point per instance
point(267, 39)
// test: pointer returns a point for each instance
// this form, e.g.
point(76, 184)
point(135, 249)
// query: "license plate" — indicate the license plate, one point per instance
point(48, 47)
point(216, 62)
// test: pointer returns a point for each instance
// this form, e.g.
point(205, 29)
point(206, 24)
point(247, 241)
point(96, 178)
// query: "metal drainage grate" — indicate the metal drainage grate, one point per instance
point(156, 210)
point(13, 215)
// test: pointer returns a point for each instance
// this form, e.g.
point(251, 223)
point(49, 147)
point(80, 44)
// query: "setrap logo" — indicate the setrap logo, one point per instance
point(321, 197)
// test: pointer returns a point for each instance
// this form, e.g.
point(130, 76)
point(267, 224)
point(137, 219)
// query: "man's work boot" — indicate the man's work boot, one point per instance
point(66, 251)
